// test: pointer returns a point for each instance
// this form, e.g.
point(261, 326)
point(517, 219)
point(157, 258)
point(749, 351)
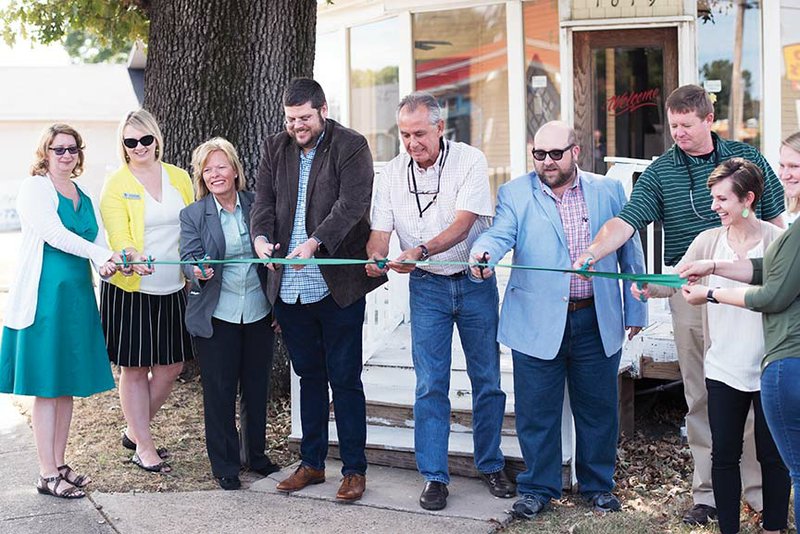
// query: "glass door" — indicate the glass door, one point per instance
point(622, 79)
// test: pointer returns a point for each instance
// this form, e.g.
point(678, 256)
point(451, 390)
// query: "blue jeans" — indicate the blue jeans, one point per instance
point(438, 302)
point(539, 392)
point(324, 343)
point(780, 397)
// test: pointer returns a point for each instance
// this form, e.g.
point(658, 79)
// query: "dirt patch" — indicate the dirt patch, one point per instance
point(95, 448)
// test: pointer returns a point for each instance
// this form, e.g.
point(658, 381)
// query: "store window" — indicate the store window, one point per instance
point(542, 66)
point(790, 79)
point(460, 56)
point(374, 89)
point(729, 61)
point(328, 66)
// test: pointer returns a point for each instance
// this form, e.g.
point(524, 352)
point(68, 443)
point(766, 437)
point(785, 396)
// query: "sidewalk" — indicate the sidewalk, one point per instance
point(389, 505)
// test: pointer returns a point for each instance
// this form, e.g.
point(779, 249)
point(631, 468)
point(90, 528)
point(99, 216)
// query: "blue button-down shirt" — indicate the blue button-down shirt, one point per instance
point(241, 299)
point(306, 284)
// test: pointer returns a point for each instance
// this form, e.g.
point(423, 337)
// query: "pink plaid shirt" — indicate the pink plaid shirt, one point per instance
point(575, 220)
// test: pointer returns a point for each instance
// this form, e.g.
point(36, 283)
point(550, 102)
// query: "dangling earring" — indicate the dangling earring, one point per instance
point(157, 152)
point(745, 213)
point(127, 158)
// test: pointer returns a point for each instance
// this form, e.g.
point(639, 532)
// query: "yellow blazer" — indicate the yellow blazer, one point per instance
point(122, 210)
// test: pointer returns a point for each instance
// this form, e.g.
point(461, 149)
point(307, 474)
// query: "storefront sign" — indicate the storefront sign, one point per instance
point(614, 9)
point(791, 55)
point(631, 101)
point(712, 86)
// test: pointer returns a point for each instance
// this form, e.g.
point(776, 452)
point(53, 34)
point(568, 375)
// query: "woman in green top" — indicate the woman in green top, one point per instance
point(52, 346)
point(777, 297)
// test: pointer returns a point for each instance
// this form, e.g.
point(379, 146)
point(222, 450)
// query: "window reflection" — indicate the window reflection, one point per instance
point(543, 64)
point(790, 79)
point(328, 66)
point(460, 56)
point(729, 50)
point(374, 89)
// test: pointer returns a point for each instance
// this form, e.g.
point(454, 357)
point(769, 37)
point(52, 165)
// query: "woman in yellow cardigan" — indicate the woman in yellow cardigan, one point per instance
point(143, 313)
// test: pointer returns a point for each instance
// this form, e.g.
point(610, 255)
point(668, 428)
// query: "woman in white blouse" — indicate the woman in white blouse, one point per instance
point(734, 348)
point(143, 314)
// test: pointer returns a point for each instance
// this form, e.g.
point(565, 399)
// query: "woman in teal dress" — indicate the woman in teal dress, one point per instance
point(52, 346)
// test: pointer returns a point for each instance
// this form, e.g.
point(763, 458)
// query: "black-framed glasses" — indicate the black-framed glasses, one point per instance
point(444, 150)
point(145, 140)
point(555, 155)
point(59, 150)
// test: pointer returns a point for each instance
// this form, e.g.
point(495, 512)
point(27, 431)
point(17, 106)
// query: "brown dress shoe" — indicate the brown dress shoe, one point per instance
point(302, 477)
point(352, 488)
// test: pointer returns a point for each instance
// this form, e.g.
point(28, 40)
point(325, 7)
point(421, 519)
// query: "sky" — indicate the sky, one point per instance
point(26, 54)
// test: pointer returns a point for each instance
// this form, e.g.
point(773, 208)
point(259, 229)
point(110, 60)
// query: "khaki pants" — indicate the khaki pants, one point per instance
point(687, 328)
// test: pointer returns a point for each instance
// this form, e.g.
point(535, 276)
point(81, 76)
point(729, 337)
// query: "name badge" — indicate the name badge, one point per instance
point(132, 196)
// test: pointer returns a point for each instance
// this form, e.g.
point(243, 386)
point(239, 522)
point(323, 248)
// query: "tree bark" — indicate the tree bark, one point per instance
point(218, 68)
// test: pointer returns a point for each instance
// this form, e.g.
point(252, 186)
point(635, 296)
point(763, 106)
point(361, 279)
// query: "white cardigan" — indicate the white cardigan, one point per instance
point(37, 207)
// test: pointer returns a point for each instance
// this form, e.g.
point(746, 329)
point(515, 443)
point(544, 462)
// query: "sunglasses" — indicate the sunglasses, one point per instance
point(59, 150)
point(555, 155)
point(146, 140)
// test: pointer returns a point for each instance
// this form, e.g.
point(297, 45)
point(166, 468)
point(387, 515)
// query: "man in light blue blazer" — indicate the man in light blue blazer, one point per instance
point(559, 326)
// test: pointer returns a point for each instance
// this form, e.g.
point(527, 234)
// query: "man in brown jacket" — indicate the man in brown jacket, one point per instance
point(313, 193)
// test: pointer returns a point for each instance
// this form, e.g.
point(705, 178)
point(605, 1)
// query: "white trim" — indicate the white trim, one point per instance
point(625, 24)
point(687, 53)
point(567, 75)
point(771, 101)
point(515, 57)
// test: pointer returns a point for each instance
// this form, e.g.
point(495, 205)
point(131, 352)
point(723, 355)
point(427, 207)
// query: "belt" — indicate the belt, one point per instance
point(454, 276)
point(575, 305)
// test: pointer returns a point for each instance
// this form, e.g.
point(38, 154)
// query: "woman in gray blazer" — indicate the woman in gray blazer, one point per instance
point(227, 312)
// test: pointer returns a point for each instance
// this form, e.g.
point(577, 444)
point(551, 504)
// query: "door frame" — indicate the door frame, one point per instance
point(687, 50)
point(583, 71)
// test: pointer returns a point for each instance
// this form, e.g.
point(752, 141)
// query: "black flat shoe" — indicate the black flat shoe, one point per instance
point(499, 484)
point(161, 467)
point(266, 470)
point(130, 445)
point(229, 483)
point(434, 495)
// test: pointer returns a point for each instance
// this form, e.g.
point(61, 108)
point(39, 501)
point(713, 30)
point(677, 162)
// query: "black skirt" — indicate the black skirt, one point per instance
point(143, 330)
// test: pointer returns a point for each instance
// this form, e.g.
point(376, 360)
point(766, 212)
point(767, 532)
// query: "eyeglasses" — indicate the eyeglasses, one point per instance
point(291, 121)
point(145, 140)
point(59, 150)
point(555, 155)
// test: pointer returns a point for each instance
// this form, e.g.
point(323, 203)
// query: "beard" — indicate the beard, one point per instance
point(313, 130)
point(555, 176)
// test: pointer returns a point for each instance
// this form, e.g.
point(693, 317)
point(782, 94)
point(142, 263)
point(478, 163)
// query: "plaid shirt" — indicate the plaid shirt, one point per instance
point(306, 284)
point(575, 220)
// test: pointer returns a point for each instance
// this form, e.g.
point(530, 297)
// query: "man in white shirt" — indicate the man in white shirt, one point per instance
point(436, 196)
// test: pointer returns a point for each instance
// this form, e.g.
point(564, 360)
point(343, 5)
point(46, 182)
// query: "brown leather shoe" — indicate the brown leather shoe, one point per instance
point(352, 488)
point(302, 477)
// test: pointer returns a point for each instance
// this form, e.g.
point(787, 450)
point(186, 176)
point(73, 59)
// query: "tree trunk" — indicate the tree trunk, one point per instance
point(218, 68)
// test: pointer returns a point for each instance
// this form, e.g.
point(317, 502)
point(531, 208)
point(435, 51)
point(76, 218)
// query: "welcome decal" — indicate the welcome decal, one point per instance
point(630, 101)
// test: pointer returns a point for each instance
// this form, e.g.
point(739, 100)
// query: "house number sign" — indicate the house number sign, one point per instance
point(614, 9)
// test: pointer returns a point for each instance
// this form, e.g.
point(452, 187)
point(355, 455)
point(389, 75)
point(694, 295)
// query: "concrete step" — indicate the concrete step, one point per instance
point(390, 398)
point(394, 446)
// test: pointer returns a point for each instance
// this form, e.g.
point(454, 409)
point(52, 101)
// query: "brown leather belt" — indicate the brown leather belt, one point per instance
point(575, 305)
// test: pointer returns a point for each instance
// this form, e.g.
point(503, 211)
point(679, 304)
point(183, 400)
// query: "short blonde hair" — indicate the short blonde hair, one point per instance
point(39, 167)
point(200, 156)
point(141, 120)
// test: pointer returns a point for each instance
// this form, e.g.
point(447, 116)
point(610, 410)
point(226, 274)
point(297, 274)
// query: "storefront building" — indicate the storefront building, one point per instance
point(503, 68)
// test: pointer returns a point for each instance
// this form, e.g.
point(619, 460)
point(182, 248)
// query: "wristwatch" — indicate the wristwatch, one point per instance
point(710, 297)
point(425, 255)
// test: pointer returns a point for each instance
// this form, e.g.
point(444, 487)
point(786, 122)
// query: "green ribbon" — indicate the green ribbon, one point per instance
point(669, 280)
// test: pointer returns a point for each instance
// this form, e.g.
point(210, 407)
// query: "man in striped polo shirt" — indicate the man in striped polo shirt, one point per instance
point(673, 191)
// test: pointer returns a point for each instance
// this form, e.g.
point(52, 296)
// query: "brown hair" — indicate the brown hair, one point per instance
point(690, 98)
point(39, 167)
point(744, 175)
point(200, 156)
